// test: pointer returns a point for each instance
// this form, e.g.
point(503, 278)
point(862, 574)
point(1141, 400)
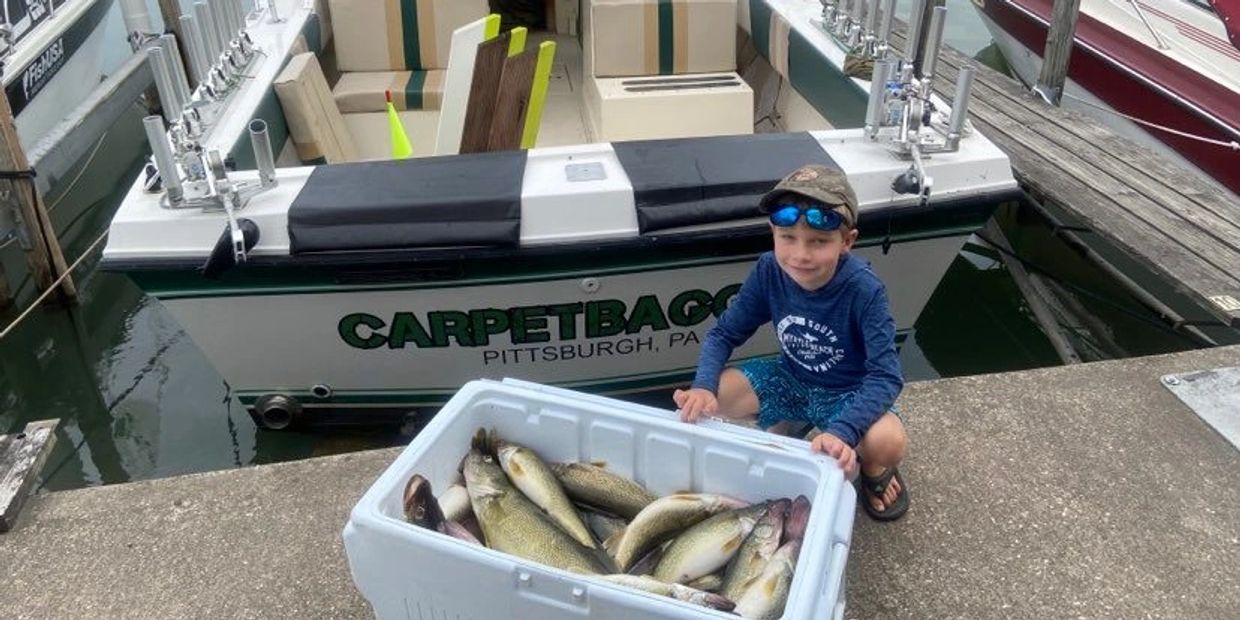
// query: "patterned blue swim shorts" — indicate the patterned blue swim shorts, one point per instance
point(783, 397)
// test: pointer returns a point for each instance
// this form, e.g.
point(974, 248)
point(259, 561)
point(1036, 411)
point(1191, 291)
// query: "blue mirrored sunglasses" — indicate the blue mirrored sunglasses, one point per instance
point(818, 219)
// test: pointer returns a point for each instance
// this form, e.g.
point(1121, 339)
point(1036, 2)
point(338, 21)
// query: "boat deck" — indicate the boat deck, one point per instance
point(1181, 227)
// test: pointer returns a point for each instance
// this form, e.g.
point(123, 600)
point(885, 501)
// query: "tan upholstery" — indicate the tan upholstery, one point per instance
point(398, 35)
point(315, 125)
point(649, 37)
point(360, 91)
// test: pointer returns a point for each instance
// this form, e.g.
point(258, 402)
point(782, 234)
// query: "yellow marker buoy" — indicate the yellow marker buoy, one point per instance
point(538, 94)
point(401, 148)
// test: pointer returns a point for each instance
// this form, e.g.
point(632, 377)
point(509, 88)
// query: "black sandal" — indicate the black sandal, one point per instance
point(876, 487)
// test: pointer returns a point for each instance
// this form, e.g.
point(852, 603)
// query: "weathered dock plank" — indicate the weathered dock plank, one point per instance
point(21, 458)
point(1185, 228)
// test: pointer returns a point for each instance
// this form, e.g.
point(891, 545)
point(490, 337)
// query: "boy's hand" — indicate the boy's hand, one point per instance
point(693, 403)
point(836, 448)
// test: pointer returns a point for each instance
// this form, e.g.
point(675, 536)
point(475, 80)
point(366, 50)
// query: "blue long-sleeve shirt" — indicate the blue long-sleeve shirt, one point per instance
point(840, 337)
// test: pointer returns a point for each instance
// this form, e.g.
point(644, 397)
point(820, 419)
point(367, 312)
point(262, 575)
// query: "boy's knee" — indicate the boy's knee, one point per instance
point(886, 441)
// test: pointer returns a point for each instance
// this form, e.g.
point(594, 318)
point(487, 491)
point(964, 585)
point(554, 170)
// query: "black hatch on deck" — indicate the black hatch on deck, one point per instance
point(689, 181)
point(437, 201)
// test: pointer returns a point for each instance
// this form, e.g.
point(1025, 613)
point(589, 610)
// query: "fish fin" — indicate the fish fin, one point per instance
point(599, 464)
point(613, 542)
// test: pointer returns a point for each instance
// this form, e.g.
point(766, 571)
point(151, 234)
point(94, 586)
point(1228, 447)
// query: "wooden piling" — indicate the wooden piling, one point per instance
point(1058, 51)
point(22, 456)
point(44, 256)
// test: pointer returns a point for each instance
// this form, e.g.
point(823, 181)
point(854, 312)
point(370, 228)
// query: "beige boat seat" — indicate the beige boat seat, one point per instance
point(396, 45)
point(411, 90)
point(659, 69)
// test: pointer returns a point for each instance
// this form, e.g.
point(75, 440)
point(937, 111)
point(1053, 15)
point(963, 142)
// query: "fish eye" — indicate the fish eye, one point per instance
point(419, 512)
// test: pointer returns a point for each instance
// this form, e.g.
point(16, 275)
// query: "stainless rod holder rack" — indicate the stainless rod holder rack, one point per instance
point(888, 9)
point(876, 110)
point(164, 162)
point(960, 106)
point(177, 68)
point(913, 40)
point(206, 29)
point(261, 143)
point(934, 41)
point(169, 96)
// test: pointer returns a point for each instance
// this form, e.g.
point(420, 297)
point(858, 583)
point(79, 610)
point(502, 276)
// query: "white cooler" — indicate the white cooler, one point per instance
point(409, 572)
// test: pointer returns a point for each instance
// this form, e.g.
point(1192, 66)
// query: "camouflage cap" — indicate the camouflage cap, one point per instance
point(826, 185)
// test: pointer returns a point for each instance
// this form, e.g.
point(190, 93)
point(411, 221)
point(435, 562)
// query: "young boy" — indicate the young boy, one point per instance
point(837, 367)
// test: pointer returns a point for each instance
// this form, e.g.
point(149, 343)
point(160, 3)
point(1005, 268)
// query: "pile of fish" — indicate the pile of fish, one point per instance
point(702, 548)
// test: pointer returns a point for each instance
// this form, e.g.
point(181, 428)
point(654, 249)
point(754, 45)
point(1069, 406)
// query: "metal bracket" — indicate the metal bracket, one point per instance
point(1214, 395)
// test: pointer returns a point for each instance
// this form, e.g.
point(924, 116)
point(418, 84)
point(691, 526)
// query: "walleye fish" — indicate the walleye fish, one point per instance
point(708, 546)
point(530, 474)
point(602, 526)
point(761, 544)
point(710, 583)
point(664, 518)
point(593, 485)
point(455, 504)
point(511, 523)
point(645, 566)
point(672, 590)
point(765, 598)
point(420, 506)
point(798, 519)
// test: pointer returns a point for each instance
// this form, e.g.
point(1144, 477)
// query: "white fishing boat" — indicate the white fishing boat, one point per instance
point(53, 54)
point(1163, 73)
point(596, 260)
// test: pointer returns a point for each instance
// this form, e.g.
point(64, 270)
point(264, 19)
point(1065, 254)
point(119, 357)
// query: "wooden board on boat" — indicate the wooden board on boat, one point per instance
point(21, 458)
point(1183, 227)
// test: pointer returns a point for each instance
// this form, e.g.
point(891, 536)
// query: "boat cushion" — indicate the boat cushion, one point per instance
point(461, 200)
point(806, 68)
point(685, 182)
point(398, 35)
point(662, 37)
point(314, 122)
point(360, 91)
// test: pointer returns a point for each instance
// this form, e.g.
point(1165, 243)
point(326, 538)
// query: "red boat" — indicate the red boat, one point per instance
point(1170, 63)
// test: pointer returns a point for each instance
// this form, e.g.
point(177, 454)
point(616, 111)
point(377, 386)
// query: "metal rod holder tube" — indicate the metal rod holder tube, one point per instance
point(262, 152)
point(223, 38)
point(913, 40)
point(857, 12)
point(169, 96)
point(888, 10)
point(239, 14)
point(960, 106)
point(164, 160)
point(272, 12)
point(179, 78)
point(198, 63)
point(206, 29)
point(871, 16)
point(934, 40)
point(878, 97)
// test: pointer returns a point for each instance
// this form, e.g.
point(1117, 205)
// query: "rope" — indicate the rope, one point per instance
point(1233, 145)
point(53, 287)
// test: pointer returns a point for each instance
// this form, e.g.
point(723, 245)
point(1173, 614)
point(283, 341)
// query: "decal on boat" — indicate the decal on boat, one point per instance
point(629, 328)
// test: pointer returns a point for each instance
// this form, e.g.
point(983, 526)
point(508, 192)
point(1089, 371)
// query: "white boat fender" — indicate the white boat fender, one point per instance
point(222, 257)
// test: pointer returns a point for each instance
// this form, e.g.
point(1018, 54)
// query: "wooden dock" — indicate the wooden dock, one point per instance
point(21, 459)
point(1183, 228)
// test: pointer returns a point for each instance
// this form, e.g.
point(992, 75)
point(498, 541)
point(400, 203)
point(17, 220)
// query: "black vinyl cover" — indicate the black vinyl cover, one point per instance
point(438, 201)
point(689, 181)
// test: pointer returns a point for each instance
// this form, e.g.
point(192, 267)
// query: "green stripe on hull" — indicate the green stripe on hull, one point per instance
point(413, 90)
point(760, 26)
point(836, 97)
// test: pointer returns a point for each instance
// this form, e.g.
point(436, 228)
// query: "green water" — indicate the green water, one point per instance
point(138, 400)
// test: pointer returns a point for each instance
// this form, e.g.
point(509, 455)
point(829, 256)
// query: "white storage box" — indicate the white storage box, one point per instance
point(409, 572)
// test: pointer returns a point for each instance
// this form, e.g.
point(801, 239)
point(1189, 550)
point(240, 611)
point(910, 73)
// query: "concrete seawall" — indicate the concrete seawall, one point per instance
point(1081, 491)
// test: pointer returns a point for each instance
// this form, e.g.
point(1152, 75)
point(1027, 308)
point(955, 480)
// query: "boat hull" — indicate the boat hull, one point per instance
point(65, 64)
point(366, 351)
point(1110, 69)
